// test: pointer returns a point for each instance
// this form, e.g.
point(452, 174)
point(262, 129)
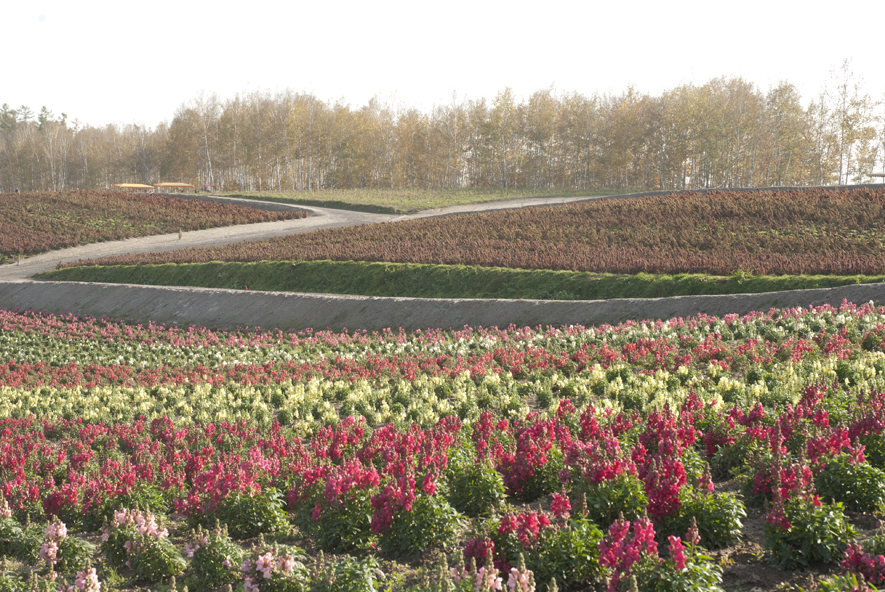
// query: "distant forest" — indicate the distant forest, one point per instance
point(726, 133)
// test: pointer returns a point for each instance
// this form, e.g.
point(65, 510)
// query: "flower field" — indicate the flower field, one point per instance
point(694, 454)
point(34, 222)
point(791, 232)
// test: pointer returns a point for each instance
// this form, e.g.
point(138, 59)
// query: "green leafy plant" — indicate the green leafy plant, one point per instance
point(718, 518)
point(342, 528)
point(74, 554)
point(859, 486)
point(474, 488)
point(25, 544)
point(840, 583)
point(250, 515)
point(874, 449)
point(155, 559)
point(215, 559)
point(11, 582)
point(348, 574)
point(277, 568)
point(875, 545)
point(570, 554)
point(561, 547)
point(729, 459)
point(607, 500)
point(874, 339)
point(135, 541)
point(805, 532)
point(10, 532)
point(432, 521)
point(700, 573)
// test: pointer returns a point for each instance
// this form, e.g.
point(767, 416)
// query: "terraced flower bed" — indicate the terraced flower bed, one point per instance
point(34, 222)
point(792, 232)
point(691, 454)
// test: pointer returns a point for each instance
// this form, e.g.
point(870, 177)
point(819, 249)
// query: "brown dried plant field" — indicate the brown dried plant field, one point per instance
point(789, 232)
point(35, 222)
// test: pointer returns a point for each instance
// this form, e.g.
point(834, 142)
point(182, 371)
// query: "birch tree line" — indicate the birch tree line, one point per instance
point(725, 133)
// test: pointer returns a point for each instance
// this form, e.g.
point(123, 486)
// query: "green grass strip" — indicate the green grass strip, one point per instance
point(440, 281)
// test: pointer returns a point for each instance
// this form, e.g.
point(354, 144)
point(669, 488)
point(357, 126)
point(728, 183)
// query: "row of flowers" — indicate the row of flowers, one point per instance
point(40, 349)
point(306, 404)
point(133, 541)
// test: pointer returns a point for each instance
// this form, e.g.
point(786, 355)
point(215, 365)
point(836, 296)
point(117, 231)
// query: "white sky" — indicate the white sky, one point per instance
point(136, 62)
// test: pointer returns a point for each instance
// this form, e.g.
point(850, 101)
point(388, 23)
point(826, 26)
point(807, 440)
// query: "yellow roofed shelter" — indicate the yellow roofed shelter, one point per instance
point(186, 187)
point(133, 186)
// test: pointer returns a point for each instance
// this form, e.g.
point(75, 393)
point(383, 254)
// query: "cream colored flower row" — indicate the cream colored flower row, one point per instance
point(424, 400)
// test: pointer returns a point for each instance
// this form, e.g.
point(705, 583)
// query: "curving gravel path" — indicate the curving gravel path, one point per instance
point(230, 308)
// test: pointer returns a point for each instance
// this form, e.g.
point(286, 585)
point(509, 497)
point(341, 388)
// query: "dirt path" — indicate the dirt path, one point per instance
point(290, 310)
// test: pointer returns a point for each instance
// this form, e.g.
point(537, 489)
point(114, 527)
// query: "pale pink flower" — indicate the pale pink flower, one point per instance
point(49, 552)
point(56, 531)
point(121, 517)
point(87, 581)
point(487, 580)
point(286, 564)
point(520, 581)
point(265, 564)
point(458, 574)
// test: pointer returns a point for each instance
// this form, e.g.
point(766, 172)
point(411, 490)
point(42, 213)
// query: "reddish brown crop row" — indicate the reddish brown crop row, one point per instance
point(812, 231)
point(38, 222)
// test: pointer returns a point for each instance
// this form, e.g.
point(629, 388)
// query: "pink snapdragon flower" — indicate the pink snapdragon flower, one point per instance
point(5, 510)
point(487, 580)
point(49, 552)
point(620, 549)
point(265, 564)
point(561, 506)
point(857, 560)
point(677, 552)
point(693, 535)
point(520, 581)
point(459, 574)
point(56, 531)
point(86, 581)
point(286, 564)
